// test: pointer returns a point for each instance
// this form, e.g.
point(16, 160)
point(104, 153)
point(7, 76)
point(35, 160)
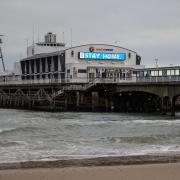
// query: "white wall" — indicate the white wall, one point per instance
point(115, 49)
point(42, 49)
point(76, 63)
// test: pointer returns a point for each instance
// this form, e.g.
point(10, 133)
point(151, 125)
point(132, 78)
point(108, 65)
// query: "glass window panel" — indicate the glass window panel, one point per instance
point(164, 72)
point(172, 72)
point(156, 73)
point(160, 73)
point(152, 73)
point(168, 72)
point(177, 71)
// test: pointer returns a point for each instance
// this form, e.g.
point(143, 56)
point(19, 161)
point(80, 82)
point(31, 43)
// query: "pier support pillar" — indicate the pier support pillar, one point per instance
point(29, 104)
point(77, 100)
point(107, 105)
point(163, 106)
point(172, 106)
point(95, 101)
point(81, 98)
point(65, 102)
point(111, 105)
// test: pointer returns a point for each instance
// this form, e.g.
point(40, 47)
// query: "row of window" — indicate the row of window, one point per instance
point(170, 72)
point(50, 44)
point(79, 71)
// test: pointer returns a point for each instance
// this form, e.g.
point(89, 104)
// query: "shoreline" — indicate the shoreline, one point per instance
point(94, 162)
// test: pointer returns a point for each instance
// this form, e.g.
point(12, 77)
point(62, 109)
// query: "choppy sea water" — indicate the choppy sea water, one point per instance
point(31, 135)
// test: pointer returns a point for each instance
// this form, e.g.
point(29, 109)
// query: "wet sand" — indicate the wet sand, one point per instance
point(105, 168)
point(131, 172)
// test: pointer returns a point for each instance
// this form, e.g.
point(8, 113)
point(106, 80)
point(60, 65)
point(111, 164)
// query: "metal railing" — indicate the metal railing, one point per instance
point(87, 83)
point(159, 79)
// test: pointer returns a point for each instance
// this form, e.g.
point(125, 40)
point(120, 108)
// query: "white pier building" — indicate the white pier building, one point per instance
point(52, 60)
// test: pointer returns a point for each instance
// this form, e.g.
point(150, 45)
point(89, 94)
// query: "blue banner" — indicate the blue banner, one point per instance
point(102, 56)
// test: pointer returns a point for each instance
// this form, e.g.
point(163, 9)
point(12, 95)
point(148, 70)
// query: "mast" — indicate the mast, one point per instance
point(1, 55)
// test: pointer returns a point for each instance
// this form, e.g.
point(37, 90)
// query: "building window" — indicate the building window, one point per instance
point(82, 71)
point(68, 71)
point(160, 73)
point(168, 72)
point(177, 72)
point(172, 72)
point(129, 55)
point(43, 76)
point(72, 53)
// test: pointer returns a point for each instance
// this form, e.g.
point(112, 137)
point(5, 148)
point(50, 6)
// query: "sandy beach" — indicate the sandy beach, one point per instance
point(105, 168)
point(130, 172)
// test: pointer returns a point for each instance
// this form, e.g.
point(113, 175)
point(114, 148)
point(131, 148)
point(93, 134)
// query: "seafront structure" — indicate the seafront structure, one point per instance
point(92, 77)
point(78, 64)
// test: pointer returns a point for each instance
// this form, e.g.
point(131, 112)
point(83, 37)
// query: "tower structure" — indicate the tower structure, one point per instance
point(1, 55)
point(49, 45)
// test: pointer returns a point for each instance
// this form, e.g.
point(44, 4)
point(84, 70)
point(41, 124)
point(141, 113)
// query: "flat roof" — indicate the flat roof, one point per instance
point(36, 56)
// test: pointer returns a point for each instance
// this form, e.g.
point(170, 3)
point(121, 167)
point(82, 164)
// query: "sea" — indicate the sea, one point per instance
point(39, 136)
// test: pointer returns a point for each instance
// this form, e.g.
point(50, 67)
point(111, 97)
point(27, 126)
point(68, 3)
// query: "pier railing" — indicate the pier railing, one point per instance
point(87, 83)
point(67, 81)
point(159, 79)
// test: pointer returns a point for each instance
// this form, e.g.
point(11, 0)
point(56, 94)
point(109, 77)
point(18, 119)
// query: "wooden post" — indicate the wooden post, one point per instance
point(77, 101)
point(107, 104)
point(172, 107)
point(81, 97)
point(95, 101)
point(65, 102)
point(111, 105)
point(163, 108)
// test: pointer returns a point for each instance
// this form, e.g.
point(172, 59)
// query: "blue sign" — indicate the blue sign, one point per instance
point(102, 56)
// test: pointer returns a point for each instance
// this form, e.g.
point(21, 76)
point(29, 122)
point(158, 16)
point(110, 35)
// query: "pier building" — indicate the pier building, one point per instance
point(91, 77)
point(80, 63)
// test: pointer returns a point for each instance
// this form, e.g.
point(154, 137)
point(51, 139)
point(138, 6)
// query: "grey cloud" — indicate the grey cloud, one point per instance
point(152, 28)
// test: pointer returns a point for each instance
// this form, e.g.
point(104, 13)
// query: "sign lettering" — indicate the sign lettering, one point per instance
point(102, 56)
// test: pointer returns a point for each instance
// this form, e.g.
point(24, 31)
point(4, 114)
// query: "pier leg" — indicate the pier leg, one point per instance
point(4, 102)
point(107, 104)
point(172, 107)
point(163, 108)
point(81, 98)
point(29, 104)
point(77, 100)
point(65, 102)
point(95, 101)
point(32, 103)
point(112, 105)
point(22, 103)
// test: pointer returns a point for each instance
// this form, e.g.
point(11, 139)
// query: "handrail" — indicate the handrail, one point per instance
point(87, 83)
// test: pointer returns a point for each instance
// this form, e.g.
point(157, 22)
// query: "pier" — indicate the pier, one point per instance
point(144, 94)
point(91, 77)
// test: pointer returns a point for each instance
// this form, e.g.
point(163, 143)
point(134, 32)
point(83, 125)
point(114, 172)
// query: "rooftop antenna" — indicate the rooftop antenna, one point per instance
point(33, 41)
point(33, 36)
point(27, 44)
point(71, 37)
point(38, 37)
point(1, 55)
point(63, 38)
point(156, 63)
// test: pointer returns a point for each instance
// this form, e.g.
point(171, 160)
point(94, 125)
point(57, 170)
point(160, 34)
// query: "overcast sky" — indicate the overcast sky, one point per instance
point(149, 27)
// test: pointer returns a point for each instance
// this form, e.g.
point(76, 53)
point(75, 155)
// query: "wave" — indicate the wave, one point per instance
point(18, 129)
point(140, 139)
point(156, 121)
point(11, 143)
